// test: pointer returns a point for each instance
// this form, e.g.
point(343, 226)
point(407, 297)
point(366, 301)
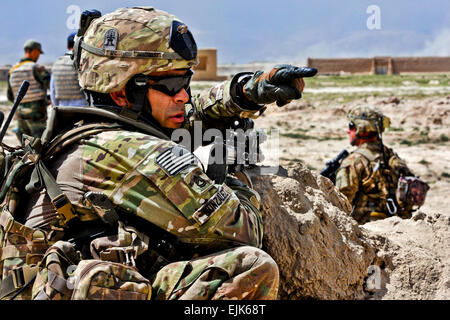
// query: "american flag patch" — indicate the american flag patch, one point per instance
point(175, 159)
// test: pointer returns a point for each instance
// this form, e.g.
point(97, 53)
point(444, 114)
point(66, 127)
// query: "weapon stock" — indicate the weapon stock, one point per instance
point(331, 166)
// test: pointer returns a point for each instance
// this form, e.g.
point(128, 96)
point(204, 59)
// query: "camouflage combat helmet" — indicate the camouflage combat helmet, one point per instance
point(130, 41)
point(367, 120)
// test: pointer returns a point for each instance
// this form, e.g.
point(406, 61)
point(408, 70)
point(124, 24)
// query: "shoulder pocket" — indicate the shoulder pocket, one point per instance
point(190, 190)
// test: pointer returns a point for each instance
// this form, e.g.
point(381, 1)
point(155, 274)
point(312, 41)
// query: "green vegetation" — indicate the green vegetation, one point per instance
point(395, 129)
point(394, 80)
point(345, 97)
point(424, 138)
point(376, 81)
point(295, 135)
point(445, 175)
point(425, 132)
point(406, 142)
point(443, 137)
point(424, 162)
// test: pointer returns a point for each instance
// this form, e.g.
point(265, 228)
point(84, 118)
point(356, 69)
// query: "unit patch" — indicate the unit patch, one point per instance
point(111, 39)
point(212, 205)
point(175, 159)
point(199, 181)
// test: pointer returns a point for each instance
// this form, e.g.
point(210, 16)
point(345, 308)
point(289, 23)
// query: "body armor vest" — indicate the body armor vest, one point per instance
point(66, 80)
point(24, 71)
point(375, 189)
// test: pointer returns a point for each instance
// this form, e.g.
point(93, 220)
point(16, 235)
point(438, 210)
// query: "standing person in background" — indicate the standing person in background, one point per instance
point(32, 112)
point(64, 87)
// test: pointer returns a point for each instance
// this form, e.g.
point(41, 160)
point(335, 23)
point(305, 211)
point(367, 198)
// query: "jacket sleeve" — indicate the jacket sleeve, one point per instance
point(398, 165)
point(42, 75)
point(348, 177)
point(213, 106)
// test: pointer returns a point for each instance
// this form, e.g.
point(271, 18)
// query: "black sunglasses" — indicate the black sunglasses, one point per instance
point(351, 126)
point(171, 85)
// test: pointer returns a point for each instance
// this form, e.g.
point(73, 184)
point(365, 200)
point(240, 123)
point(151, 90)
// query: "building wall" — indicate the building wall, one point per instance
point(334, 66)
point(207, 67)
point(388, 65)
point(421, 64)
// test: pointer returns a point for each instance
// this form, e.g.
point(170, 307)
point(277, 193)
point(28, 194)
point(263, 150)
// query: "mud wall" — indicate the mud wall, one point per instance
point(207, 67)
point(381, 65)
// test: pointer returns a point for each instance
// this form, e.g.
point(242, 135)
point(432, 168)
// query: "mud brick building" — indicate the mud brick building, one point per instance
point(207, 67)
point(381, 65)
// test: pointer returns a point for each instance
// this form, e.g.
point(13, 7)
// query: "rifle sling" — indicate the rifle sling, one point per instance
point(41, 176)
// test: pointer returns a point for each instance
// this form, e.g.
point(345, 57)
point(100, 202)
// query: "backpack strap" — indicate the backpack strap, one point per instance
point(76, 134)
point(17, 66)
point(59, 200)
point(41, 176)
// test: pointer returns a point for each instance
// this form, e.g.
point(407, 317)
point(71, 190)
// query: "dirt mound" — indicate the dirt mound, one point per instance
point(418, 255)
point(323, 253)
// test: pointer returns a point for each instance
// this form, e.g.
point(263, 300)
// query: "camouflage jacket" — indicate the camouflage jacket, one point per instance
point(141, 177)
point(361, 179)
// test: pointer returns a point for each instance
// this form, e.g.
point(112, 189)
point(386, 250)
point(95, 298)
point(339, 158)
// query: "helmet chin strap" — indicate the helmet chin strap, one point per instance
point(137, 95)
point(141, 105)
point(136, 92)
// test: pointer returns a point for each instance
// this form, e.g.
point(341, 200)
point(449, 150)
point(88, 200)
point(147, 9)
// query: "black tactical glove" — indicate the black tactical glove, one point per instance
point(281, 84)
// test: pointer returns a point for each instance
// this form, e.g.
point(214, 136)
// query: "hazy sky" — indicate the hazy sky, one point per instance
point(254, 30)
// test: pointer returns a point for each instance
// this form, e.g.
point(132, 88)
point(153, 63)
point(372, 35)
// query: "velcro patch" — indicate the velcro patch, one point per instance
point(175, 159)
point(111, 39)
point(211, 206)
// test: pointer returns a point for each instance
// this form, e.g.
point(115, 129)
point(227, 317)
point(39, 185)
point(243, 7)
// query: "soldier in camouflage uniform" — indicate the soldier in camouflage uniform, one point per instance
point(202, 240)
point(369, 185)
point(32, 112)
